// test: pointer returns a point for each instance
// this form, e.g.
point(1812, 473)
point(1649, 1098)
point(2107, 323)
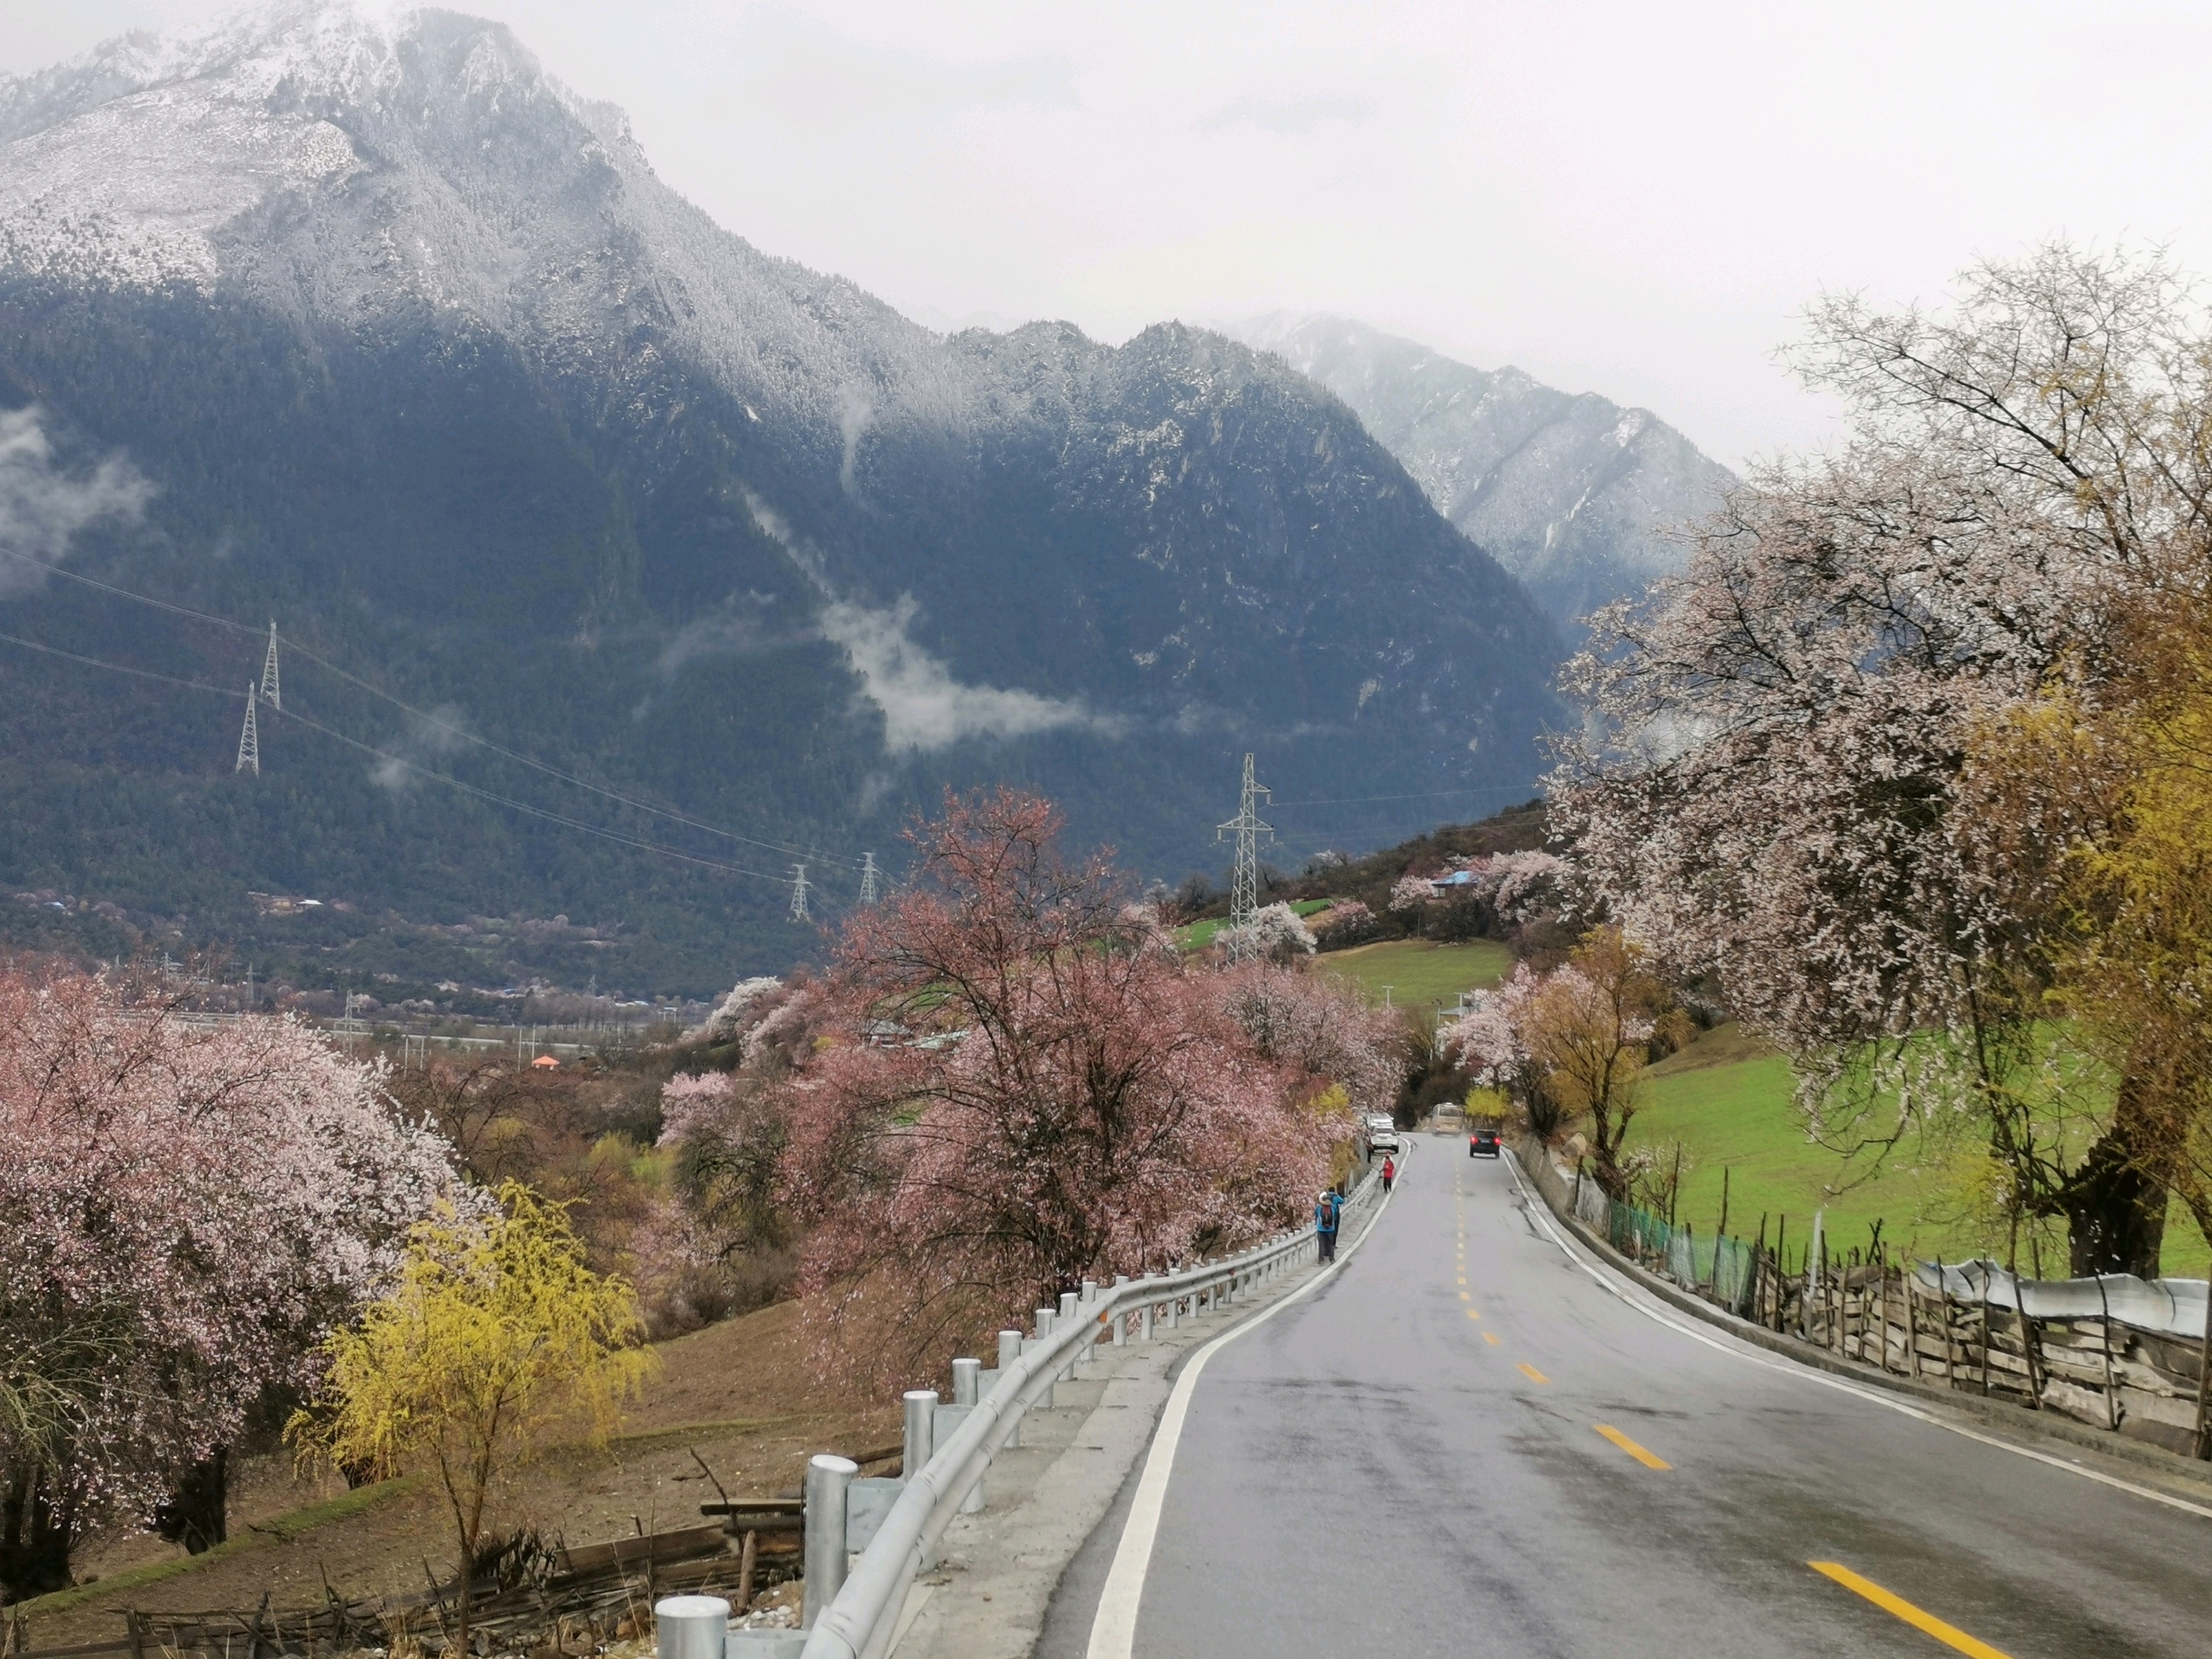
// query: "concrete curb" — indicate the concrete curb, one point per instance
point(998, 1570)
point(1995, 1417)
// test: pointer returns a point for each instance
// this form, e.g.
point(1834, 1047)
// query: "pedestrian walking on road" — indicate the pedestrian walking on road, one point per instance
point(1325, 1226)
point(1389, 1173)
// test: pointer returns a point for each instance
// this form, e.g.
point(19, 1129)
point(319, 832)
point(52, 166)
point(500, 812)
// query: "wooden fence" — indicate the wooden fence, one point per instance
point(2104, 1372)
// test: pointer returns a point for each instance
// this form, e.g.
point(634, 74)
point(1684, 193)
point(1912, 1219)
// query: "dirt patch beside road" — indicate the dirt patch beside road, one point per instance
point(739, 1393)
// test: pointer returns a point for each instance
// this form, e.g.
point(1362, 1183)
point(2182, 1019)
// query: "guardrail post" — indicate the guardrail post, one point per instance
point(1045, 1318)
point(1070, 1302)
point(1010, 1349)
point(920, 1405)
point(827, 1479)
point(1144, 1324)
point(1120, 1280)
point(968, 1390)
point(690, 1627)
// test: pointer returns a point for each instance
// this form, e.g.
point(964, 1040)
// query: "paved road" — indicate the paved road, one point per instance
point(1408, 1462)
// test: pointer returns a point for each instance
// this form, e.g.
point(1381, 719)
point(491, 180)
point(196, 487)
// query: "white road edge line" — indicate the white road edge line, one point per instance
point(1542, 1213)
point(1114, 1627)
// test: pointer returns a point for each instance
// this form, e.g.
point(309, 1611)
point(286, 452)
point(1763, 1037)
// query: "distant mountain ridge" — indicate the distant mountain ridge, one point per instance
point(402, 341)
point(1573, 493)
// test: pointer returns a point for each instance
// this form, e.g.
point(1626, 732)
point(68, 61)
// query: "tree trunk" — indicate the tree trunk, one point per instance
point(196, 1513)
point(2115, 1210)
point(34, 1537)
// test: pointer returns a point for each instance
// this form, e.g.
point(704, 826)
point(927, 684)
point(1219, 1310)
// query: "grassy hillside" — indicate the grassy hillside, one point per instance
point(1727, 1099)
point(1421, 974)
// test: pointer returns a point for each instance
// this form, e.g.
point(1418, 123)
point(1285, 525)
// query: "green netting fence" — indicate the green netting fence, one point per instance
point(1718, 1267)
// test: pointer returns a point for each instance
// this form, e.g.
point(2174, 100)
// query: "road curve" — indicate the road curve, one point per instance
point(1424, 1458)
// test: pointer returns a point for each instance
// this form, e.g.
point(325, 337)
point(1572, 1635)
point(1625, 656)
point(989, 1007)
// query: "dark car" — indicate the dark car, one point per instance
point(1483, 1143)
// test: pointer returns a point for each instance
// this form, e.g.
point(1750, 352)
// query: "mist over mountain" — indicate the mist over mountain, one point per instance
point(372, 328)
point(1570, 492)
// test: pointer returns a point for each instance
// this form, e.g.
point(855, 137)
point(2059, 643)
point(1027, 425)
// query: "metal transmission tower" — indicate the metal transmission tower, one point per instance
point(798, 885)
point(249, 740)
point(868, 874)
point(268, 688)
point(1244, 875)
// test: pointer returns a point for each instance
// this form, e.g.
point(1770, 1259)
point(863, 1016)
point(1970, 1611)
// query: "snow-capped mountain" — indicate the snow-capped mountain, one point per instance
point(1571, 493)
point(395, 336)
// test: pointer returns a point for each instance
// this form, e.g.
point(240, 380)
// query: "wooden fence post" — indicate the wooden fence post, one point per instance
point(1911, 1322)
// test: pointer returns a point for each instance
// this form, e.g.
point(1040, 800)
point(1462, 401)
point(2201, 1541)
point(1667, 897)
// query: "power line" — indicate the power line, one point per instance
point(269, 689)
point(1524, 791)
point(118, 668)
point(490, 796)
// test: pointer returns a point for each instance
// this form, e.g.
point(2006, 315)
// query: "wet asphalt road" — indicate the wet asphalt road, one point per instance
point(1407, 1464)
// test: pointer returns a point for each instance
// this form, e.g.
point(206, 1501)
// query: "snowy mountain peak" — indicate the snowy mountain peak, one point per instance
point(154, 160)
point(1574, 494)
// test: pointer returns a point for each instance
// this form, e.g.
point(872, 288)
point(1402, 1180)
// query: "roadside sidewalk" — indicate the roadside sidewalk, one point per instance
point(997, 1569)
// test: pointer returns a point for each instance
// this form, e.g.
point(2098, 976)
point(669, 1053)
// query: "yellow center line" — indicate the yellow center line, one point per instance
point(1532, 1373)
point(1949, 1635)
point(1467, 1295)
point(1631, 1447)
point(1471, 1314)
point(1491, 1337)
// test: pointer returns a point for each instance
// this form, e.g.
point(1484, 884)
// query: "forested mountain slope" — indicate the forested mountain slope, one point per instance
point(372, 329)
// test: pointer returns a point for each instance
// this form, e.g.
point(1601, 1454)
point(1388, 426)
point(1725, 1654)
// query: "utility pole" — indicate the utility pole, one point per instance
point(249, 740)
point(798, 885)
point(1386, 995)
point(1244, 872)
point(868, 873)
point(268, 686)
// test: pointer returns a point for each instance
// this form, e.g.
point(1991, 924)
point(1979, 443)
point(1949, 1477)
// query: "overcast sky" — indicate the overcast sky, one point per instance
point(1630, 198)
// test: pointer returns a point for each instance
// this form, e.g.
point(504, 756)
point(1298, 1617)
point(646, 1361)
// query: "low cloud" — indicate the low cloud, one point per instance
point(924, 708)
point(854, 412)
point(747, 623)
point(43, 503)
point(425, 741)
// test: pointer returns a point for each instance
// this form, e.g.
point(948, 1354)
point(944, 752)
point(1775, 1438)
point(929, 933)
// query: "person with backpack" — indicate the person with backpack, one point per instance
point(1390, 1173)
point(1325, 1226)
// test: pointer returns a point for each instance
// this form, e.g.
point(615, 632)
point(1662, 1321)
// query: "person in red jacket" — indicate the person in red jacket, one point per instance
point(1389, 1172)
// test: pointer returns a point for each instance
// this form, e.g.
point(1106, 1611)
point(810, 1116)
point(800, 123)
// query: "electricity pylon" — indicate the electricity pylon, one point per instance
point(1244, 872)
point(868, 873)
point(798, 885)
point(269, 686)
point(249, 740)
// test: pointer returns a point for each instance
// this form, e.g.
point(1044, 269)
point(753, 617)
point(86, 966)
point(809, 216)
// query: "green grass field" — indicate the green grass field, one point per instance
point(1727, 1100)
point(1421, 974)
point(1197, 935)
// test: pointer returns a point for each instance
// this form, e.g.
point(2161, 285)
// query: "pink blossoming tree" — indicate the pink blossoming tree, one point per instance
point(1015, 1087)
point(186, 1213)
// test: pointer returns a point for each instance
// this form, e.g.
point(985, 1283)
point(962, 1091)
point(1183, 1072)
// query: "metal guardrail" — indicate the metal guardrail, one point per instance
point(862, 1619)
